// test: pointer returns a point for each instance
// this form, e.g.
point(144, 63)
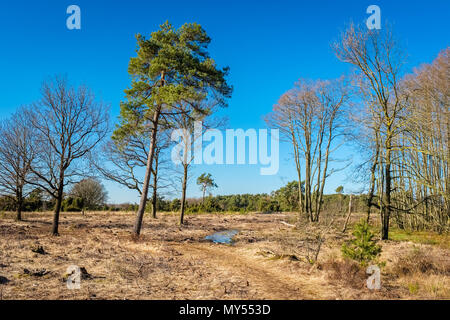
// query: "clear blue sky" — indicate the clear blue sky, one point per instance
point(267, 44)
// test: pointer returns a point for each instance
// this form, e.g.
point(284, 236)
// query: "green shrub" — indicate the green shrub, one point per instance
point(175, 205)
point(362, 248)
point(71, 204)
point(268, 206)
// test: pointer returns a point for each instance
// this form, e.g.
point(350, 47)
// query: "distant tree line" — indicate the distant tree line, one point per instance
point(284, 199)
point(88, 194)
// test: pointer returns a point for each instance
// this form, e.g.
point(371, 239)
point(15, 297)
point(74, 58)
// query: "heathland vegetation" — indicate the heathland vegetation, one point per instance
point(55, 153)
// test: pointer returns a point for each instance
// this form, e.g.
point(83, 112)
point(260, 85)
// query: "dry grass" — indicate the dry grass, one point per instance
point(424, 271)
point(346, 272)
point(419, 260)
point(269, 260)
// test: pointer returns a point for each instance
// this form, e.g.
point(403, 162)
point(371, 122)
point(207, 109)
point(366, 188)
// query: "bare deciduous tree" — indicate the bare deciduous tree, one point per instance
point(122, 161)
point(185, 118)
point(16, 154)
point(91, 191)
point(378, 60)
point(310, 117)
point(422, 162)
point(69, 124)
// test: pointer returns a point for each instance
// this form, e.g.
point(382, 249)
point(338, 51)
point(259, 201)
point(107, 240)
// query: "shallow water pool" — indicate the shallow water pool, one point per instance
point(225, 237)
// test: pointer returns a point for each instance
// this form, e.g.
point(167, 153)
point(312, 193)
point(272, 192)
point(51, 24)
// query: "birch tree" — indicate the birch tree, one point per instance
point(378, 60)
point(310, 117)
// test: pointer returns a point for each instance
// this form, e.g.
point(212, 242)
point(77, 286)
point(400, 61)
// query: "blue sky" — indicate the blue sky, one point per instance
point(267, 44)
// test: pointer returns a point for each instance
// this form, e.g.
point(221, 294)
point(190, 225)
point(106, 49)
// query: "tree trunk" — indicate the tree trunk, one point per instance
point(151, 154)
point(183, 194)
point(308, 199)
point(348, 215)
point(324, 174)
point(300, 198)
point(299, 173)
point(19, 212)
point(387, 207)
point(19, 202)
point(59, 199)
point(372, 181)
point(319, 169)
point(154, 197)
point(155, 188)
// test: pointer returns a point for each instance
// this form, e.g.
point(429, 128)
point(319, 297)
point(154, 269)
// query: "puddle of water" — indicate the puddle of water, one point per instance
point(225, 237)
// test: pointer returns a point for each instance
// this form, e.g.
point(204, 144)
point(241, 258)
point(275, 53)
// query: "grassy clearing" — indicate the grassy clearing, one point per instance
point(422, 237)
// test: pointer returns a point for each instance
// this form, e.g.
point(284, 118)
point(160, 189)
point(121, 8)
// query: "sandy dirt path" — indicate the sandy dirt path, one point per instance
point(263, 277)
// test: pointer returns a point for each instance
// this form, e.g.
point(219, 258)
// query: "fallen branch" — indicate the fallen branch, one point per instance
point(288, 224)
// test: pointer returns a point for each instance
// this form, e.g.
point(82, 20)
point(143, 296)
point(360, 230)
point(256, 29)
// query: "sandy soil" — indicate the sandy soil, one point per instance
point(269, 259)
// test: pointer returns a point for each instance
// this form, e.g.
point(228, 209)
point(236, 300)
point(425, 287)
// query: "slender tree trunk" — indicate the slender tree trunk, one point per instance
point(387, 207)
point(348, 215)
point(154, 205)
point(324, 174)
point(299, 173)
point(151, 154)
point(19, 201)
point(317, 187)
point(19, 212)
point(319, 169)
point(373, 169)
point(300, 197)
point(308, 199)
point(183, 194)
point(154, 197)
point(155, 187)
point(59, 199)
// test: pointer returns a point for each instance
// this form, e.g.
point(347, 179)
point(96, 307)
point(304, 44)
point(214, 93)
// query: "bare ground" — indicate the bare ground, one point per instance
point(269, 260)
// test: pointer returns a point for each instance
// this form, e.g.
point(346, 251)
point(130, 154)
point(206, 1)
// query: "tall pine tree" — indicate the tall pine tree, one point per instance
point(172, 66)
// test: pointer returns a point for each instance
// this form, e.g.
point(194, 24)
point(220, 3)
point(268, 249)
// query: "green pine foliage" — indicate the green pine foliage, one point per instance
point(362, 248)
point(172, 66)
